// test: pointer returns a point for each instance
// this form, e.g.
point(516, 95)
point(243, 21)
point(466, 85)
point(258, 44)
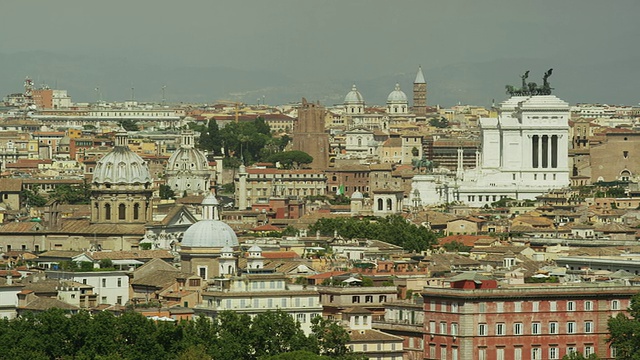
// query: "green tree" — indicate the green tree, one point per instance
point(166, 192)
point(291, 159)
point(393, 229)
point(624, 331)
point(33, 198)
point(439, 123)
point(579, 356)
point(128, 125)
point(72, 194)
point(456, 246)
point(210, 138)
point(275, 332)
point(106, 264)
point(328, 338)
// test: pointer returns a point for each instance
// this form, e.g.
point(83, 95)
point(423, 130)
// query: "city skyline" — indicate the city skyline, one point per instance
point(282, 50)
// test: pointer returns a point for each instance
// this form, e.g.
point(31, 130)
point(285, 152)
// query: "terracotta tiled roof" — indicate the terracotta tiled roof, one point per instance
point(84, 226)
point(45, 303)
point(13, 185)
point(133, 254)
point(19, 227)
point(280, 255)
point(371, 335)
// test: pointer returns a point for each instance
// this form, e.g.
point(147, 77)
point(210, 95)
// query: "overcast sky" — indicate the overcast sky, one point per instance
point(314, 39)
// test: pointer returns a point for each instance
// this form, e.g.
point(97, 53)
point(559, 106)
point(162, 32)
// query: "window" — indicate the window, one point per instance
point(301, 318)
point(499, 307)
point(103, 300)
point(454, 307)
point(552, 306)
point(571, 350)
point(571, 306)
point(443, 307)
point(625, 154)
point(588, 350)
point(432, 306)
point(535, 328)
point(553, 353)
point(482, 329)
point(588, 326)
point(443, 353)
point(517, 329)
point(443, 328)
point(536, 354)
point(571, 327)
point(454, 329)
point(432, 327)
point(535, 306)
point(553, 327)
point(517, 353)
point(119, 300)
point(500, 329)
point(482, 354)
point(119, 282)
point(500, 354)
point(368, 298)
point(355, 299)
point(104, 282)
point(615, 305)
point(122, 212)
point(482, 307)
point(518, 306)
point(588, 306)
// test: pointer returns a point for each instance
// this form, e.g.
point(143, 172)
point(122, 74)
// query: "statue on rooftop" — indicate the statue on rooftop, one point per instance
point(530, 89)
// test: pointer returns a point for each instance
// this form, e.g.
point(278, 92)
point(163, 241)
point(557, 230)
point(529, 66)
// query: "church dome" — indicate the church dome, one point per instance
point(209, 234)
point(121, 165)
point(357, 195)
point(354, 96)
point(397, 96)
point(188, 160)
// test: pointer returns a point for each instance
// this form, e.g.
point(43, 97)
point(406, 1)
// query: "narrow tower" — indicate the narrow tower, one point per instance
point(309, 135)
point(420, 94)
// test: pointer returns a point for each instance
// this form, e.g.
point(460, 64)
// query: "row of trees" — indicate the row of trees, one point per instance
point(251, 141)
point(270, 335)
point(393, 229)
point(65, 193)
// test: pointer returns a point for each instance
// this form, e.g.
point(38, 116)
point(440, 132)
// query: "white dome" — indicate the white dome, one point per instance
point(209, 234)
point(357, 195)
point(187, 160)
point(397, 96)
point(354, 96)
point(121, 166)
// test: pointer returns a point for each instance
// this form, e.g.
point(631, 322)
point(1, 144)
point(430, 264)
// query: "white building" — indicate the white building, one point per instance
point(111, 287)
point(524, 155)
point(253, 294)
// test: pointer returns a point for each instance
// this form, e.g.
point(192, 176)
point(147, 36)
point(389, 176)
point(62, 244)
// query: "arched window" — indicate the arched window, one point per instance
point(122, 212)
point(136, 211)
point(359, 141)
point(380, 205)
point(389, 205)
point(107, 211)
point(625, 175)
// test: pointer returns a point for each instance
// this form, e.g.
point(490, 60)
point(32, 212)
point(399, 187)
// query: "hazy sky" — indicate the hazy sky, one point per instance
point(314, 39)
